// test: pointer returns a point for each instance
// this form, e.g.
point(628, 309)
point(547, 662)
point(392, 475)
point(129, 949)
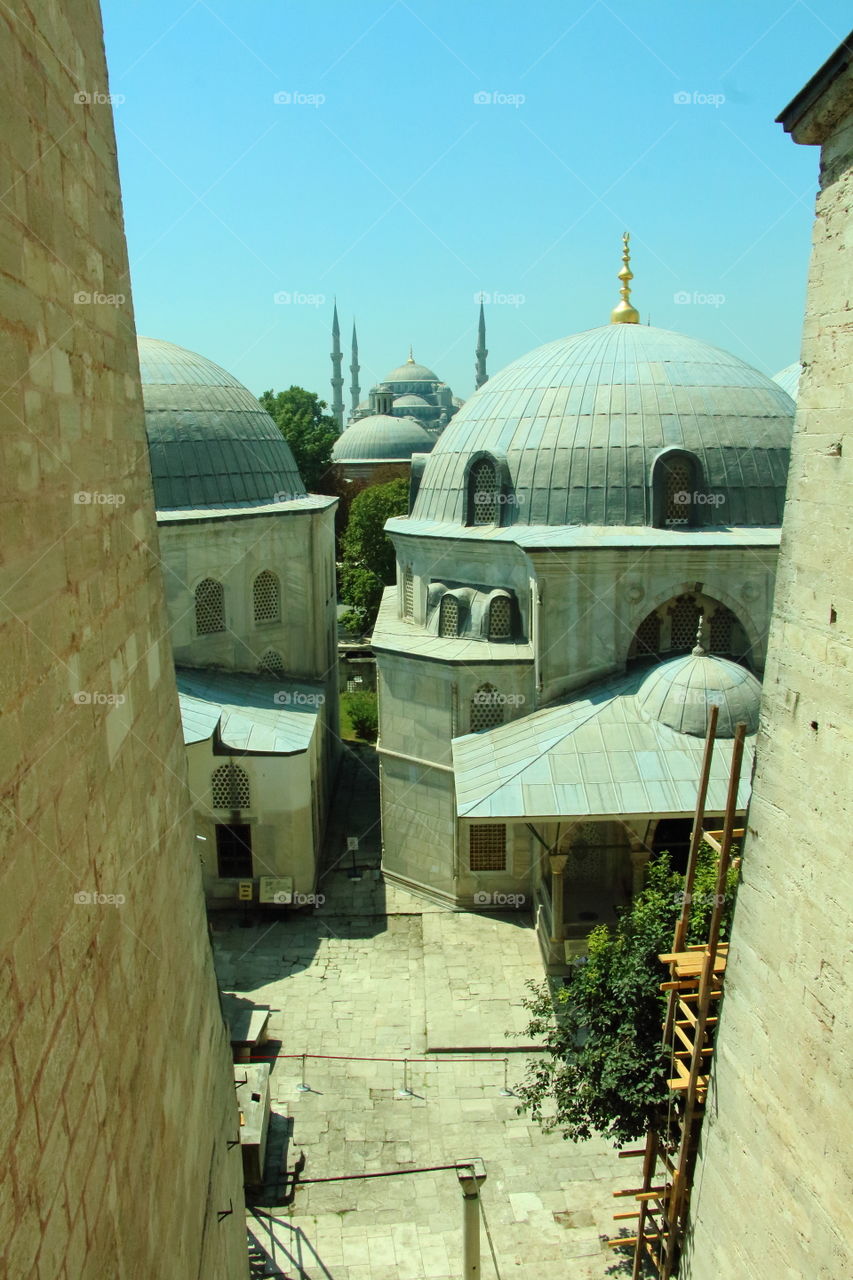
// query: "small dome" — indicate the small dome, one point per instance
point(381, 438)
point(411, 372)
point(410, 402)
point(789, 378)
point(210, 443)
point(679, 693)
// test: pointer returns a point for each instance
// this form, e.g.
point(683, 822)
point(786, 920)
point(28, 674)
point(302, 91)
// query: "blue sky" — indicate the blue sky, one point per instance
point(382, 179)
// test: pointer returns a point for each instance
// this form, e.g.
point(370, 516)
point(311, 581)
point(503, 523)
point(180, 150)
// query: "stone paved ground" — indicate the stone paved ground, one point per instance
point(364, 984)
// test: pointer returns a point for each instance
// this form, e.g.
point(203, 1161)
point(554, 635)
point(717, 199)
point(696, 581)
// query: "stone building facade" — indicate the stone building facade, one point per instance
point(772, 1191)
point(119, 1101)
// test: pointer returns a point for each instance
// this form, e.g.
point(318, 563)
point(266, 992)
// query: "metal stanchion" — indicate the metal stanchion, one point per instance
point(506, 1092)
point(405, 1092)
point(471, 1175)
point(302, 1087)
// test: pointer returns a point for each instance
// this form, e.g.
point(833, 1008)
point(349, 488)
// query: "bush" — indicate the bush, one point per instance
point(363, 713)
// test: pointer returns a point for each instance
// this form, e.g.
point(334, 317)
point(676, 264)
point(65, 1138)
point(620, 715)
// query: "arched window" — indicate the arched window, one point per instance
point(483, 493)
point(272, 663)
point(209, 607)
point(408, 592)
point(229, 785)
point(487, 708)
point(448, 616)
point(685, 623)
point(675, 483)
point(265, 591)
point(487, 846)
point(500, 618)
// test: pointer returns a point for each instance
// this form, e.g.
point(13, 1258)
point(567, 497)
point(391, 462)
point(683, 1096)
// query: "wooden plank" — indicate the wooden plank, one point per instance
point(620, 1217)
point(628, 1155)
point(638, 1191)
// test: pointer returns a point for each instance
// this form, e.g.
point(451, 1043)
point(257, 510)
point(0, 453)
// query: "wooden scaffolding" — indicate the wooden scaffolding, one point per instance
point(694, 989)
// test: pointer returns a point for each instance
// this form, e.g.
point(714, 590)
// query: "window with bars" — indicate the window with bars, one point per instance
point(685, 623)
point(209, 607)
point(677, 491)
point(229, 786)
point(500, 618)
point(265, 592)
point(408, 592)
point(487, 708)
point(647, 637)
point(483, 493)
point(487, 847)
point(448, 616)
point(272, 663)
point(721, 637)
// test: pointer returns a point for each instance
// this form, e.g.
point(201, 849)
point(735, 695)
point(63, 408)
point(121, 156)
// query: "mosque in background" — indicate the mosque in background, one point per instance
point(587, 565)
point(249, 565)
point(404, 414)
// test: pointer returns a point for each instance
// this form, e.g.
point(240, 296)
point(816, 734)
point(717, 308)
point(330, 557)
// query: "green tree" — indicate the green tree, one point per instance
point(604, 1070)
point(309, 431)
point(364, 716)
point(368, 564)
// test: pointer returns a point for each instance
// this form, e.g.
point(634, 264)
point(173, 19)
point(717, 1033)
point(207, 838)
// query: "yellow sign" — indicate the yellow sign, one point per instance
point(244, 891)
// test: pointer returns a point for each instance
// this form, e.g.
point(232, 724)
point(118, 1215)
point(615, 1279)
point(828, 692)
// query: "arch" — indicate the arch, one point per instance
point(209, 607)
point(229, 787)
point(448, 616)
point(500, 617)
point(487, 709)
point(272, 663)
point(676, 479)
point(670, 628)
point(266, 596)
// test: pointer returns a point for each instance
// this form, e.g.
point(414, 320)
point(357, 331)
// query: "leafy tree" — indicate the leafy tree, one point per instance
point(363, 714)
point(604, 1070)
point(368, 564)
point(309, 431)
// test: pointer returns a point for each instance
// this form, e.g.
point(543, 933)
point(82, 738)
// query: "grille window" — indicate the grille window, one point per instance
point(721, 635)
point(272, 663)
point(486, 708)
point(229, 785)
point(408, 592)
point(483, 493)
point(677, 492)
point(448, 617)
point(487, 847)
point(685, 623)
point(647, 637)
point(209, 607)
point(266, 597)
point(500, 618)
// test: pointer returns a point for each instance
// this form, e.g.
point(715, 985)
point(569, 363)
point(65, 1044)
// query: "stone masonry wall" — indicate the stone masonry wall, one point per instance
point(772, 1193)
point(118, 1098)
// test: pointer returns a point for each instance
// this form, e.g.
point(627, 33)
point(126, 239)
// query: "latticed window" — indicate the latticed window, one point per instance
point(448, 616)
point(408, 592)
point(721, 630)
point(487, 708)
point(265, 591)
point(483, 493)
point(677, 491)
point(685, 623)
point(209, 607)
point(647, 637)
point(272, 663)
point(487, 847)
point(229, 785)
point(500, 618)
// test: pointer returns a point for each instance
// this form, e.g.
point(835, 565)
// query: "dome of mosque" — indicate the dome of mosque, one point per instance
point(789, 378)
point(410, 402)
point(411, 372)
point(575, 428)
point(679, 694)
point(209, 441)
point(381, 438)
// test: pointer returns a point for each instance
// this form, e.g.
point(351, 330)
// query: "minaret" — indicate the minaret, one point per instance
point(624, 313)
point(481, 352)
point(337, 379)
point(355, 389)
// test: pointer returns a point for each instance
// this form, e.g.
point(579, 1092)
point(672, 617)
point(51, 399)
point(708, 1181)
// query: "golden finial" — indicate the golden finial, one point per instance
point(411, 359)
point(624, 313)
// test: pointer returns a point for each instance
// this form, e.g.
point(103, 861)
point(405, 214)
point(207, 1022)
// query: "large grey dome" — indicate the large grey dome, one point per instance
point(411, 371)
point(209, 441)
point(381, 438)
point(576, 426)
point(680, 693)
point(789, 378)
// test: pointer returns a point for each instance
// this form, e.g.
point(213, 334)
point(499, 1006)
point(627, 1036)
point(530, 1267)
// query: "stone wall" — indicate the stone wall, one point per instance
point(117, 1090)
point(772, 1193)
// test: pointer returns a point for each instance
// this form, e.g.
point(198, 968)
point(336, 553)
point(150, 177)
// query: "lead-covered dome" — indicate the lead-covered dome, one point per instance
point(575, 428)
point(680, 693)
point(789, 378)
point(209, 441)
point(411, 371)
point(381, 438)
